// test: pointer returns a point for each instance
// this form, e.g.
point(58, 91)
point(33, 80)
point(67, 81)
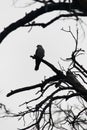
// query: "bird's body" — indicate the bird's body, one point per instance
point(39, 54)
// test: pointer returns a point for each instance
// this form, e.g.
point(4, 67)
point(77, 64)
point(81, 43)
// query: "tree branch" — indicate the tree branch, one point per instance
point(69, 78)
point(40, 85)
point(34, 14)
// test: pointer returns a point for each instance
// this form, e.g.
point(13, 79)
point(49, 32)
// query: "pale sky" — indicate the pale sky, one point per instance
point(16, 66)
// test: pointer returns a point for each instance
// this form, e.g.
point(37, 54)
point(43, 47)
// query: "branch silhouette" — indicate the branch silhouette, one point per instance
point(68, 78)
point(34, 14)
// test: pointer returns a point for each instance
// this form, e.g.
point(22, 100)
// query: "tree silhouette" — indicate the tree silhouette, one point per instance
point(48, 112)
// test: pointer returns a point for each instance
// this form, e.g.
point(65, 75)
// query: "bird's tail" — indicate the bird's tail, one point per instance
point(37, 65)
point(36, 68)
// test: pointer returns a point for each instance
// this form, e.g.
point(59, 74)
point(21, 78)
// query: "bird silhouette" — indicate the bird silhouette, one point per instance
point(39, 54)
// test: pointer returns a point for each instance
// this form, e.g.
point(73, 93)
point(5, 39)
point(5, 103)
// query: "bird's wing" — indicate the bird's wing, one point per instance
point(40, 52)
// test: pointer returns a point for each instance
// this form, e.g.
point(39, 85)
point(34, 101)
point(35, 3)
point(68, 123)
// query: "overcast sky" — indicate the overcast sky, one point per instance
point(16, 66)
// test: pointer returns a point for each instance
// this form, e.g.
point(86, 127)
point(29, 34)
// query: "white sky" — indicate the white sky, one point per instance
point(16, 66)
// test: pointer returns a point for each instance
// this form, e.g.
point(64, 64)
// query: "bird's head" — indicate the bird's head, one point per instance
point(38, 46)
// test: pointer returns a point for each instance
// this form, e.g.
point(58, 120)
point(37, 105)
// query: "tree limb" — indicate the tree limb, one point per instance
point(34, 14)
point(40, 85)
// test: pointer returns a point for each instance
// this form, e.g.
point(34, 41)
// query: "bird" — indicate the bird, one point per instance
point(39, 54)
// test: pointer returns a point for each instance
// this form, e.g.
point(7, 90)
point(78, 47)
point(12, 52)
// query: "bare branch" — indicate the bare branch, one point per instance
point(34, 14)
point(40, 85)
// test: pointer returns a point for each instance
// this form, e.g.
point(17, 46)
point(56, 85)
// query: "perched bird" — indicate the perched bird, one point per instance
point(39, 54)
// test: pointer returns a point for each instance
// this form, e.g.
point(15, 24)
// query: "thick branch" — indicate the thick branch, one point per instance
point(72, 81)
point(34, 14)
point(58, 72)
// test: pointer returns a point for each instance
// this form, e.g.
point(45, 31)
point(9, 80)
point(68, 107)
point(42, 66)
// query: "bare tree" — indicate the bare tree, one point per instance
point(48, 112)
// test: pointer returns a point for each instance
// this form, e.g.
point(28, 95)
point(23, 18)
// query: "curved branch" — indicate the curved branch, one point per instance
point(33, 15)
